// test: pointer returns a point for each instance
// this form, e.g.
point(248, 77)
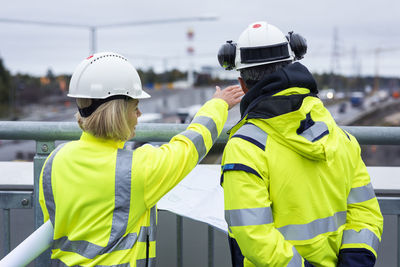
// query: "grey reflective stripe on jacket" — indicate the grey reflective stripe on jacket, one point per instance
point(120, 216)
point(142, 262)
point(253, 134)
point(47, 186)
point(315, 132)
point(198, 139)
point(259, 216)
point(297, 260)
point(59, 263)
point(209, 124)
point(153, 224)
point(297, 232)
point(364, 236)
point(245, 217)
point(122, 195)
point(314, 228)
point(198, 142)
point(118, 265)
point(361, 194)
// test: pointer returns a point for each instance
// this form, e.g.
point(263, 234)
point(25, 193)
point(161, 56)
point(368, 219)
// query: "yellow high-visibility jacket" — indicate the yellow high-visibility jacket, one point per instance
point(101, 198)
point(296, 188)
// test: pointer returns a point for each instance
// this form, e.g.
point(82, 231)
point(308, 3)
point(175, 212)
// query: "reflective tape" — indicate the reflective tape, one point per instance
point(150, 230)
point(142, 262)
point(316, 131)
point(245, 217)
point(153, 224)
point(90, 250)
point(198, 142)
point(118, 265)
point(364, 236)
point(252, 134)
point(361, 194)
point(209, 124)
point(83, 248)
point(314, 228)
point(47, 185)
point(296, 260)
point(117, 239)
point(143, 233)
point(59, 263)
point(123, 179)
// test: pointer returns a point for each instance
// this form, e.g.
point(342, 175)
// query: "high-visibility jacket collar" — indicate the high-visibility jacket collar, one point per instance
point(293, 75)
point(87, 137)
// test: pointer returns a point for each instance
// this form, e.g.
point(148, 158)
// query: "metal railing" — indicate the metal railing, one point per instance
point(46, 133)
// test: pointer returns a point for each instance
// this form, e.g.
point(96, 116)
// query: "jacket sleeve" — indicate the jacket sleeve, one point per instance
point(164, 167)
point(364, 222)
point(248, 208)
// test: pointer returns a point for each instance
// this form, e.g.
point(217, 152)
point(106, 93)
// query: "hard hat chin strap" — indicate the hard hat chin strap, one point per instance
point(86, 112)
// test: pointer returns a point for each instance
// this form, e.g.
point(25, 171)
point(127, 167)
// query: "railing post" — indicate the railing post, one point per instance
point(43, 149)
point(398, 240)
point(7, 235)
point(179, 241)
point(210, 246)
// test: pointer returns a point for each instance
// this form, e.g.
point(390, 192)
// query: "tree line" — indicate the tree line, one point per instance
point(17, 90)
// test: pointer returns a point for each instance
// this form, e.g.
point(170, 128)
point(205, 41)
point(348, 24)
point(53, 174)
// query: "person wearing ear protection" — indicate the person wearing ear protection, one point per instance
point(101, 198)
point(296, 190)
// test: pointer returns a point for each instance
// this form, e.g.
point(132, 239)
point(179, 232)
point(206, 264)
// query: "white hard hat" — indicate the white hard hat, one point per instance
point(104, 75)
point(259, 44)
point(260, 35)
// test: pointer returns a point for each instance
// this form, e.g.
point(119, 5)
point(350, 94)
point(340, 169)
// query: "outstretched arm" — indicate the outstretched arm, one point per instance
point(164, 167)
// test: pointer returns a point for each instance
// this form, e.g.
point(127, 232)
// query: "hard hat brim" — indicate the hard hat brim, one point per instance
point(142, 95)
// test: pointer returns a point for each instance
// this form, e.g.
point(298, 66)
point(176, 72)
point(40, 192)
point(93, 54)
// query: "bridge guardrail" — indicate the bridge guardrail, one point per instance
point(46, 133)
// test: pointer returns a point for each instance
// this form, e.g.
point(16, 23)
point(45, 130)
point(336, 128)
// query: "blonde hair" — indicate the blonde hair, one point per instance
point(110, 120)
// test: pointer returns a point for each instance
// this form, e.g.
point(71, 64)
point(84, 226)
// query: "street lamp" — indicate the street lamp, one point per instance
point(93, 28)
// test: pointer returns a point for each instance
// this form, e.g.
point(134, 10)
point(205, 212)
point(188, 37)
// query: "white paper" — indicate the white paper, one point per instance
point(199, 197)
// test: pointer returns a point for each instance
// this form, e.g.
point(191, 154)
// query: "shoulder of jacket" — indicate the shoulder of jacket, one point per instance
point(252, 134)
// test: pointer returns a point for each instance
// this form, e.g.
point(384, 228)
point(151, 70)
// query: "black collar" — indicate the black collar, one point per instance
point(292, 75)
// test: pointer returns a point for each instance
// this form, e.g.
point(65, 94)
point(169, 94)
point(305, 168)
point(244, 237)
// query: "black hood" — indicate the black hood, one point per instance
point(292, 75)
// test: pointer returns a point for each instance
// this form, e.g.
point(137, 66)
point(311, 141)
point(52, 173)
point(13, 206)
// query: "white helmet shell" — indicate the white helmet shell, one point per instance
point(261, 34)
point(103, 75)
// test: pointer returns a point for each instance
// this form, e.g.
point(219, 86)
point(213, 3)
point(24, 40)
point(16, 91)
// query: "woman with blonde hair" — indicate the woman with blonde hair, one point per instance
point(100, 198)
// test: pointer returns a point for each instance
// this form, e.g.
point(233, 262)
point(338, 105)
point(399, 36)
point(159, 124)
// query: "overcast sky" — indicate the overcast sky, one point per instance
point(362, 27)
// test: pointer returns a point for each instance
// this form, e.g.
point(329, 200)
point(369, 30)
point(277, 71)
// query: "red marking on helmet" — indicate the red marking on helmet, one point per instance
point(90, 57)
point(257, 25)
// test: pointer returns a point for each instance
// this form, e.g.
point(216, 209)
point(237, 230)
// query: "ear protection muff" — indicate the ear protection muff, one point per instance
point(298, 44)
point(226, 55)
